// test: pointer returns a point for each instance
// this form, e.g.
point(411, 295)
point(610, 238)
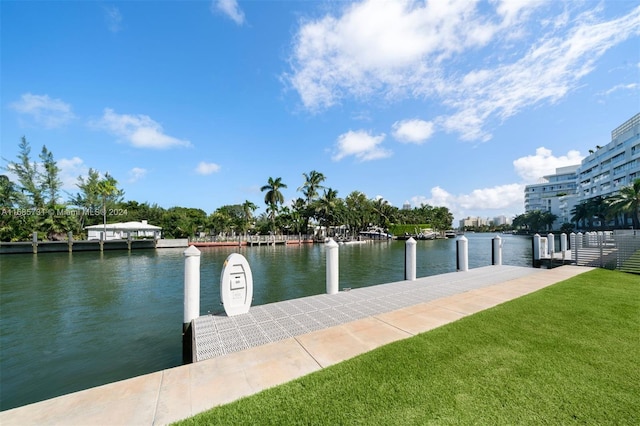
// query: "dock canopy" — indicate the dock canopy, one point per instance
point(123, 230)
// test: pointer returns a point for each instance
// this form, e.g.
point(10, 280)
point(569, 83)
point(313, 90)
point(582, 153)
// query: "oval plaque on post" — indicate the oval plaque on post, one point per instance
point(236, 285)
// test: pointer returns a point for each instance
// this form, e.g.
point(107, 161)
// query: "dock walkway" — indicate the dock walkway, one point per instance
point(279, 342)
point(217, 335)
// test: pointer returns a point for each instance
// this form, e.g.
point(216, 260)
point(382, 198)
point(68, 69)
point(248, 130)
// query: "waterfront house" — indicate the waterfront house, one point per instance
point(123, 230)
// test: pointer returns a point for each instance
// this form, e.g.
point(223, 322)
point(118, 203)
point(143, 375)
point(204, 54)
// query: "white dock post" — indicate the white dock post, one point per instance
point(535, 242)
point(462, 250)
point(191, 285)
point(34, 243)
point(563, 245)
point(191, 300)
point(410, 259)
point(496, 252)
point(331, 249)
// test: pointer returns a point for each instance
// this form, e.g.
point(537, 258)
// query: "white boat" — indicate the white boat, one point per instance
point(375, 233)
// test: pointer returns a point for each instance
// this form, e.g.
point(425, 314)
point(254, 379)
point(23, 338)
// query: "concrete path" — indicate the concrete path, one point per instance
point(170, 395)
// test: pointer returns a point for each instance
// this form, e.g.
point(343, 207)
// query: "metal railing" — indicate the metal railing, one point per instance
point(618, 249)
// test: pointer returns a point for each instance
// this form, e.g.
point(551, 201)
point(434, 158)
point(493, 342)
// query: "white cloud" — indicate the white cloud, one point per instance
point(497, 197)
point(533, 167)
point(386, 47)
point(114, 18)
point(136, 174)
point(70, 170)
point(360, 144)
point(496, 200)
point(405, 49)
point(547, 72)
point(618, 87)
point(50, 113)
point(205, 168)
point(507, 199)
point(412, 131)
point(139, 130)
point(229, 8)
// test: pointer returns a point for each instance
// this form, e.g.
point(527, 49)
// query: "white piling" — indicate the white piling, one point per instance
point(34, 243)
point(563, 245)
point(535, 242)
point(462, 250)
point(496, 252)
point(191, 285)
point(410, 259)
point(551, 241)
point(331, 249)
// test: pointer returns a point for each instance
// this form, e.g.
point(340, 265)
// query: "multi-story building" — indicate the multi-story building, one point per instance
point(601, 174)
point(501, 220)
point(473, 222)
point(608, 168)
point(556, 194)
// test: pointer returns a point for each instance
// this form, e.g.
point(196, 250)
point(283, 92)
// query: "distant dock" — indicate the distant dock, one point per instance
point(257, 240)
point(72, 245)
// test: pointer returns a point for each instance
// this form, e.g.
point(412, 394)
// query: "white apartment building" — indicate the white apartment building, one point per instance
point(502, 220)
point(556, 194)
point(602, 173)
point(610, 167)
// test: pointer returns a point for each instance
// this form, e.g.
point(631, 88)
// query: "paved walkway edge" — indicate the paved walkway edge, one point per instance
point(170, 395)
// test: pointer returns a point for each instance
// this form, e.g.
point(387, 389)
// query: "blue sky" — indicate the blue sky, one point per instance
point(454, 103)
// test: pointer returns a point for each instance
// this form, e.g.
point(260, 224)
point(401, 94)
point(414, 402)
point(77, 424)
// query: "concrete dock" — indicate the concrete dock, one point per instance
point(276, 343)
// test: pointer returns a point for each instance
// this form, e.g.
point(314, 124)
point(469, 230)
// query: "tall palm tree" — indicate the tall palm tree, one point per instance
point(326, 207)
point(385, 211)
point(628, 201)
point(107, 188)
point(580, 214)
point(596, 207)
point(273, 197)
point(310, 187)
point(547, 220)
point(247, 214)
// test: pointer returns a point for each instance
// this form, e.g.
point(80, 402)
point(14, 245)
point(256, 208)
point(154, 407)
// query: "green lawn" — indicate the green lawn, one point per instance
point(568, 354)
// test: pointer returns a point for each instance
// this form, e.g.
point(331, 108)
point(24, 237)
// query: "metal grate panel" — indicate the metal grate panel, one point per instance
point(217, 335)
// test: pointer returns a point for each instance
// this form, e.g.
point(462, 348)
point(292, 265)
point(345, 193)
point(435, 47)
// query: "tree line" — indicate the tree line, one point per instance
point(34, 203)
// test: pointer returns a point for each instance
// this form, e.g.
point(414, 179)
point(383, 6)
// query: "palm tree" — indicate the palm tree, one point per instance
point(628, 201)
point(299, 215)
point(580, 214)
point(273, 197)
point(107, 188)
point(326, 207)
point(247, 214)
point(312, 183)
point(547, 220)
point(596, 207)
point(385, 211)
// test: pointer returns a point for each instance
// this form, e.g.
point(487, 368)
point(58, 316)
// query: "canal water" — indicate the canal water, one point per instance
point(74, 321)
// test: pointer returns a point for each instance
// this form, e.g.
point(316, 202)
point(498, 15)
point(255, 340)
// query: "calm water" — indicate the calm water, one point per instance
point(73, 321)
